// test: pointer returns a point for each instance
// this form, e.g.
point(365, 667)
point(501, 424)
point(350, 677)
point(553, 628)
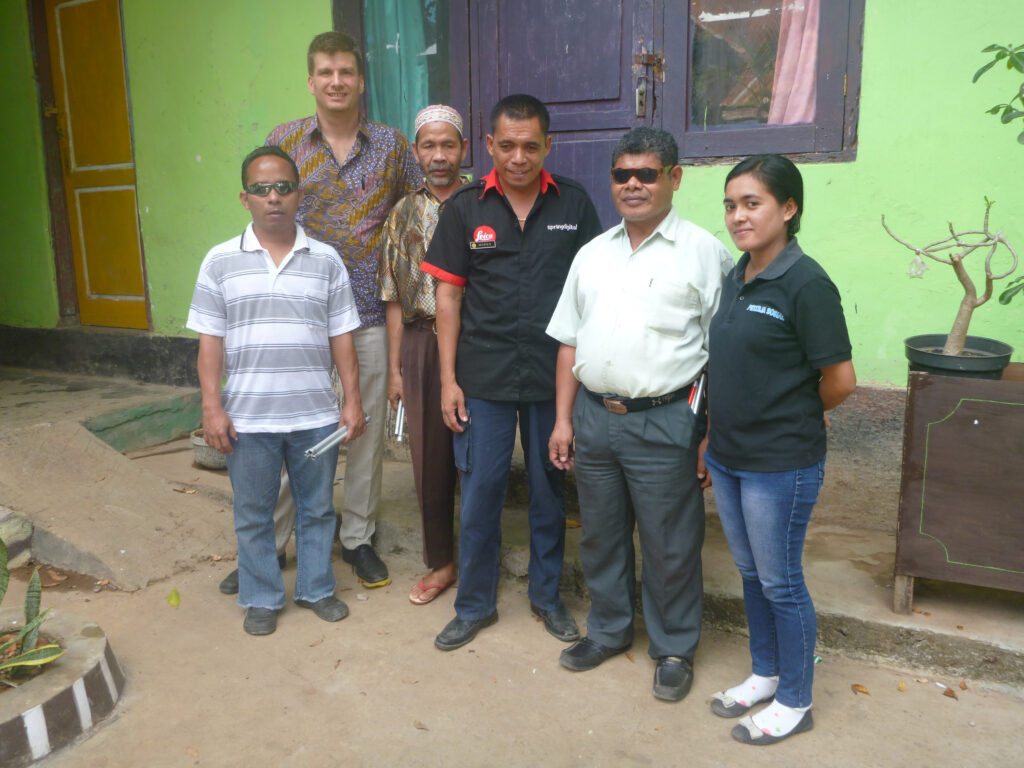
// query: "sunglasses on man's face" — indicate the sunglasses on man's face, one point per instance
point(262, 189)
point(643, 175)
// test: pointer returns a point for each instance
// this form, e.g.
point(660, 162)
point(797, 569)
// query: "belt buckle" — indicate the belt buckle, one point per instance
point(615, 406)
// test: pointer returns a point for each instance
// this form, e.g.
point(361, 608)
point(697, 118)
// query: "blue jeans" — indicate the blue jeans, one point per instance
point(483, 455)
point(765, 516)
point(255, 471)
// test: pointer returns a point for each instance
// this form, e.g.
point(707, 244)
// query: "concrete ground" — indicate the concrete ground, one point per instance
point(371, 690)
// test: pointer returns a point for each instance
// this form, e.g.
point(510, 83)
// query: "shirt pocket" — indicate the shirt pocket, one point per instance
point(671, 306)
point(315, 309)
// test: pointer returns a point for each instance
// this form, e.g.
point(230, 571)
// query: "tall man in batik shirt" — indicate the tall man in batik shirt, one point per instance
point(414, 376)
point(353, 171)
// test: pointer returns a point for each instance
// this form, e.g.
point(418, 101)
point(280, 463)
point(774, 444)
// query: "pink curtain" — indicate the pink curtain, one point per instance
point(794, 89)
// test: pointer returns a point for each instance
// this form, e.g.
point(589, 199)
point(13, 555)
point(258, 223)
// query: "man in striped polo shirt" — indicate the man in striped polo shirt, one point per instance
point(276, 306)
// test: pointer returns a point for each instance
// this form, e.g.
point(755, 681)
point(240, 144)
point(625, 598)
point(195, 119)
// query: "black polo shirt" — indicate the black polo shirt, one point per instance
point(769, 341)
point(513, 278)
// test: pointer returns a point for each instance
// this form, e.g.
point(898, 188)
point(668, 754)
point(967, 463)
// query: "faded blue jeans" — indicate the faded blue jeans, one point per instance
point(255, 471)
point(765, 516)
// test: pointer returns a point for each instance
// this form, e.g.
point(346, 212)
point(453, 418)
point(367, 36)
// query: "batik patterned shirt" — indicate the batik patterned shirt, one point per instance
point(345, 205)
point(406, 237)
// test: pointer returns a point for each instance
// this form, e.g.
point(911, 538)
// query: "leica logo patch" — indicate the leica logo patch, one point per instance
point(483, 237)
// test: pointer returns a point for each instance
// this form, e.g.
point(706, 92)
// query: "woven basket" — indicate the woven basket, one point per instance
point(205, 455)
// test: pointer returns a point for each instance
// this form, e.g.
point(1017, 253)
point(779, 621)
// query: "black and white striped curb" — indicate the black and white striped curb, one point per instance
point(76, 692)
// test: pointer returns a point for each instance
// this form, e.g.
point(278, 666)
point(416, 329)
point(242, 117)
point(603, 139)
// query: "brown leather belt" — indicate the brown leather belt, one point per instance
point(426, 323)
point(623, 405)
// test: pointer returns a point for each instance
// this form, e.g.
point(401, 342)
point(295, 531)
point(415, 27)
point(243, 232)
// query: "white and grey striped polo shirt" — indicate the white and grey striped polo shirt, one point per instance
point(276, 322)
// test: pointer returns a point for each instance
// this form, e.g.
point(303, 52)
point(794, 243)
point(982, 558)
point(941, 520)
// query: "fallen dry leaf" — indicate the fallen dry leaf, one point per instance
point(56, 575)
point(630, 657)
point(315, 643)
point(420, 725)
point(573, 523)
point(963, 685)
point(193, 751)
point(916, 610)
point(951, 693)
point(101, 478)
point(923, 613)
point(182, 490)
point(902, 686)
point(337, 663)
point(960, 627)
point(858, 688)
point(409, 682)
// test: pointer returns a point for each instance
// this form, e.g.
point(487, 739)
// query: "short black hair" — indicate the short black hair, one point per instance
point(265, 150)
point(521, 106)
point(782, 179)
point(334, 42)
point(642, 140)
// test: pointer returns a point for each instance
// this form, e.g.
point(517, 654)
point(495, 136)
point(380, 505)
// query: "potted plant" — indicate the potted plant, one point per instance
point(956, 353)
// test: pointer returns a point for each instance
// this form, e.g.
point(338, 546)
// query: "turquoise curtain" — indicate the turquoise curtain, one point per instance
point(397, 60)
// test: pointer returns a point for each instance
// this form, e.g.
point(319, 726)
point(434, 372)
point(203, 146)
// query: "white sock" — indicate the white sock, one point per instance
point(778, 719)
point(752, 690)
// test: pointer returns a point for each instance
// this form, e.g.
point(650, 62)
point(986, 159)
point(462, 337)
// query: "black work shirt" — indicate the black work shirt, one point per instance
point(769, 340)
point(513, 278)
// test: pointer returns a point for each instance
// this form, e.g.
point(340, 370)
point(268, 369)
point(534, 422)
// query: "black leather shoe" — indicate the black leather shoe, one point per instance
point(672, 678)
point(459, 632)
point(586, 654)
point(558, 622)
point(369, 568)
point(260, 621)
point(329, 608)
point(229, 585)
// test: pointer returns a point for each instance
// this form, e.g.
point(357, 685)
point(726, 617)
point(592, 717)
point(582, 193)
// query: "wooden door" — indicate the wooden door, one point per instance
point(586, 60)
point(91, 94)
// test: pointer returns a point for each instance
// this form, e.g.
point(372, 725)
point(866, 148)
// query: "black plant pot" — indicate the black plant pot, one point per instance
point(982, 358)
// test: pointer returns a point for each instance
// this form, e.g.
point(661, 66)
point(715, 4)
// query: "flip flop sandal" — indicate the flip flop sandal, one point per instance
point(727, 706)
point(748, 733)
point(427, 594)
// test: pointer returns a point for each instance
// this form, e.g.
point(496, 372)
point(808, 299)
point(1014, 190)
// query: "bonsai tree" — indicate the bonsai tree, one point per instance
point(1013, 55)
point(19, 653)
point(953, 250)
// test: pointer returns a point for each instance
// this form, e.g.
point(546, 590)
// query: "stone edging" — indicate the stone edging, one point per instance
point(78, 690)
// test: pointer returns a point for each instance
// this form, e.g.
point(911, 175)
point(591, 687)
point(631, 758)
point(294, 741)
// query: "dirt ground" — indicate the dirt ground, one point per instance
point(372, 691)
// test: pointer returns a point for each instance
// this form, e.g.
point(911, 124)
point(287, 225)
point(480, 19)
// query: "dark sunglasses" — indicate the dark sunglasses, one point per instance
point(261, 189)
point(643, 175)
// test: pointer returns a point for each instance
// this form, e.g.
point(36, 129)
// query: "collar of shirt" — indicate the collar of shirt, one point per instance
point(250, 242)
point(362, 132)
point(668, 228)
point(491, 181)
point(785, 259)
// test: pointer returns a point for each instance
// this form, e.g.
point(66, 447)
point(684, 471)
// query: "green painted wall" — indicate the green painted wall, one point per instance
point(927, 154)
point(28, 293)
point(208, 82)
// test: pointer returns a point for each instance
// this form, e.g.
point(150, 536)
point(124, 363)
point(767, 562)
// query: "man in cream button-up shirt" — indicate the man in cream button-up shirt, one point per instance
point(633, 325)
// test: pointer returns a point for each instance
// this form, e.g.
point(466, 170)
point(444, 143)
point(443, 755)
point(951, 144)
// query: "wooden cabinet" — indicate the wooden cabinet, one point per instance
point(961, 511)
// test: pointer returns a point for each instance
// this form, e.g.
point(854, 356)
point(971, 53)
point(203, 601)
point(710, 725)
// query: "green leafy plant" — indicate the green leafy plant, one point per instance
point(20, 653)
point(1013, 55)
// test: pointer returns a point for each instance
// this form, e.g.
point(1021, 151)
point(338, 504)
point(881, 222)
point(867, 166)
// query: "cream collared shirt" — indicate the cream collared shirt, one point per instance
point(639, 318)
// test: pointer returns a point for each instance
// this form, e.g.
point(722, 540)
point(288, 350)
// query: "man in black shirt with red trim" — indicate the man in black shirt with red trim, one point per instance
point(501, 251)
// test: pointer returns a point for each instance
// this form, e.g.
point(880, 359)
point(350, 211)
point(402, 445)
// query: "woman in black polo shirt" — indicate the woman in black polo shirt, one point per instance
point(780, 358)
